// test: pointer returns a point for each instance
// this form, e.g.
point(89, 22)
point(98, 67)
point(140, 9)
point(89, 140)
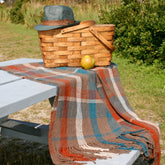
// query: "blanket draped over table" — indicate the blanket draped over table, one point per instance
point(91, 116)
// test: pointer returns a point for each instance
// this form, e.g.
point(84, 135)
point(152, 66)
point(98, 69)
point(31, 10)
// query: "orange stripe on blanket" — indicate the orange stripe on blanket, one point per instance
point(64, 150)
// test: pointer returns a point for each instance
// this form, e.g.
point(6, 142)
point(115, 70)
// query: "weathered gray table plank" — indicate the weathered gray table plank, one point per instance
point(20, 94)
point(19, 61)
point(17, 93)
point(6, 77)
point(122, 159)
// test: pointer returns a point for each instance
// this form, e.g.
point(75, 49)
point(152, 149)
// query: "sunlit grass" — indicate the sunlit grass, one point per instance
point(17, 41)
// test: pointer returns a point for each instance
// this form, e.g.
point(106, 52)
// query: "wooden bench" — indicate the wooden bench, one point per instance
point(17, 93)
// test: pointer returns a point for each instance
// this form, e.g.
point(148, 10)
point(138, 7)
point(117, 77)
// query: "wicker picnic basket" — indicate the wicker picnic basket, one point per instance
point(66, 46)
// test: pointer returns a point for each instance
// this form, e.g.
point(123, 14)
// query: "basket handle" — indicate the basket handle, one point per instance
point(82, 25)
point(102, 39)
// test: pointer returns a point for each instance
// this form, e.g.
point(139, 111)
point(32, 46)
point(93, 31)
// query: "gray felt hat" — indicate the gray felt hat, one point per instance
point(56, 17)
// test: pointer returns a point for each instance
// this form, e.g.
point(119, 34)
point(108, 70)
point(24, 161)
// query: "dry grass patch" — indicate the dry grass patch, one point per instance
point(38, 113)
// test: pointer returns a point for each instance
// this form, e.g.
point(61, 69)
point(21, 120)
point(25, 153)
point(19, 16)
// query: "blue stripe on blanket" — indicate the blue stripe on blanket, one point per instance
point(97, 133)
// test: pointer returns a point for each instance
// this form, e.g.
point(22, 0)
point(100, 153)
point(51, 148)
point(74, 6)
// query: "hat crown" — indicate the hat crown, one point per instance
point(56, 17)
point(58, 12)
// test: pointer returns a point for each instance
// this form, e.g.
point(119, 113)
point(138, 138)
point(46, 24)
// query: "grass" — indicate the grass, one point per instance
point(17, 41)
point(144, 85)
point(144, 88)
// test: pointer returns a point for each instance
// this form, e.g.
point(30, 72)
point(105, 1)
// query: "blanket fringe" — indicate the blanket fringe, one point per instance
point(70, 154)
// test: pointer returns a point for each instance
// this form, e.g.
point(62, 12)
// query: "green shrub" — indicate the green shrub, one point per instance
point(139, 34)
point(16, 15)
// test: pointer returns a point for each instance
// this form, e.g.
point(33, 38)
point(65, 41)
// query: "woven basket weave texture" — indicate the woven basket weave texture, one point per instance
point(66, 47)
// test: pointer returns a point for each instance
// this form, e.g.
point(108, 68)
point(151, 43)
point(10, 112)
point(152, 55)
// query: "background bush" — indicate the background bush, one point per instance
point(16, 15)
point(140, 31)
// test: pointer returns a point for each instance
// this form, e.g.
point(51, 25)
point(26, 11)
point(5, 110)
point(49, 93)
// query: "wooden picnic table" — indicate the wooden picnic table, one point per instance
point(17, 93)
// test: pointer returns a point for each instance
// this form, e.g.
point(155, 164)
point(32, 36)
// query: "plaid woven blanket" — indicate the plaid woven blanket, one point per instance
point(91, 117)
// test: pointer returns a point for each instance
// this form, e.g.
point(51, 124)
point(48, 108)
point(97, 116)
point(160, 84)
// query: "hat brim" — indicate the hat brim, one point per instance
point(41, 27)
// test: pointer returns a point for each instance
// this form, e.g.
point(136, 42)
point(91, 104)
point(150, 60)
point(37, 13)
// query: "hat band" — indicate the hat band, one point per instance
point(56, 23)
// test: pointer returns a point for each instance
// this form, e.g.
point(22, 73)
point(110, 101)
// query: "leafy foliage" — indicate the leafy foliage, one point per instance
point(140, 31)
point(16, 15)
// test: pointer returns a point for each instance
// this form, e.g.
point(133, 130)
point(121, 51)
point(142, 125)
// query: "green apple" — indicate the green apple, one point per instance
point(87, 62)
